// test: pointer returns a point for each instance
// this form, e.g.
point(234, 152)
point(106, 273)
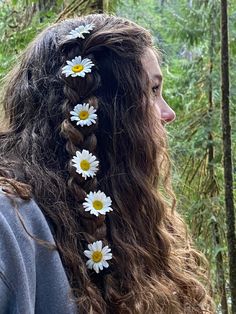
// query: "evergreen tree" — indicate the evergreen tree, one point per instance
point(229, 200)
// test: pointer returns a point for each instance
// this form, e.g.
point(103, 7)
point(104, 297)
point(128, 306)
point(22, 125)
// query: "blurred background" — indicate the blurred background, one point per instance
point(188, 33)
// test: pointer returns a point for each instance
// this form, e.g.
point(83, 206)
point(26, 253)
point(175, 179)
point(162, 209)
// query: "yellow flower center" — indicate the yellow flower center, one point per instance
point(77, 68)
point(83, 115)
point(98, 205)
point(85, 165)
point(97, 256)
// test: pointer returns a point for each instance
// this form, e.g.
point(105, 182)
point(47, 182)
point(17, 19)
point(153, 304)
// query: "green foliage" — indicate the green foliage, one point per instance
point(19, 24)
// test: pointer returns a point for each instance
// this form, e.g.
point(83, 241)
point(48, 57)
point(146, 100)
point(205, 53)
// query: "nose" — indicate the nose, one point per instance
point(167, 114)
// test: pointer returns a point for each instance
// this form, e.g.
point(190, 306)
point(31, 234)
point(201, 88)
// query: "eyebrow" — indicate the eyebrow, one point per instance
point(158, 77)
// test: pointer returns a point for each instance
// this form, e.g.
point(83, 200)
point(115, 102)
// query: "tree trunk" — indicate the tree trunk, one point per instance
point(228, 177)
point(220, 276)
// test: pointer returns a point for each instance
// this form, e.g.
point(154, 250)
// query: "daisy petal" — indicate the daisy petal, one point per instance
point(84, 114)
point(97, 202)
point(77, 67)
point(83, 165)
point(97, 260)
point(79, 32)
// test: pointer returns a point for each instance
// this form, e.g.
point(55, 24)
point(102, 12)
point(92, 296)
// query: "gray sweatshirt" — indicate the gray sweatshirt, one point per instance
point(32, 277)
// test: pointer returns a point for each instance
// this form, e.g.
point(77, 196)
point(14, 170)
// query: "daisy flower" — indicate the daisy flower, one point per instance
point(97, 203)
point(79, 32)
point(84, 114)
point(77, 67)
point(85, 163)
point(97, 256)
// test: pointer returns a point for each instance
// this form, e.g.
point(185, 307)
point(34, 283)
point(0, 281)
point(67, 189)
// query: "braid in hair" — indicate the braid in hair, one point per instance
point(80, 90)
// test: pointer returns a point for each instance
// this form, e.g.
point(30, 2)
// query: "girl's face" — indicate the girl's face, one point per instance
point(151, 65)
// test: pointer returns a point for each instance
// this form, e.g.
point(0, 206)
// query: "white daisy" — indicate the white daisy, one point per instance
point(79, 32)
point(77, 67)
point(98, 256)
point(84, 114)
point(97, 203)
point(85, 163)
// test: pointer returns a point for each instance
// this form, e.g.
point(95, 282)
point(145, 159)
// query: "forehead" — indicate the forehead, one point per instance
point(151, 65)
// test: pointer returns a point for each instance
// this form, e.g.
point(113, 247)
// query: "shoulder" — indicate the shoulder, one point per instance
point(20, 216)
point(31, 275)
point(20, 223)
point(17, 251)
point(11, 205)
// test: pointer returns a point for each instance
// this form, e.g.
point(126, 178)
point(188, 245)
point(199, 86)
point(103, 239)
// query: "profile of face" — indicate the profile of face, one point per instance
point(152, 67)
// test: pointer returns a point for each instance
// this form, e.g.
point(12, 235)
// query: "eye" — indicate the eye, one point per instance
point(155, 88)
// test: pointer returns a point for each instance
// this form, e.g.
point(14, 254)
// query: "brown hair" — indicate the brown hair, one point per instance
point(155, 268)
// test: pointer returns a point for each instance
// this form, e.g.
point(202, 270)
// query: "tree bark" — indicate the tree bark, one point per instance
point(220, 276)
point(228, 176)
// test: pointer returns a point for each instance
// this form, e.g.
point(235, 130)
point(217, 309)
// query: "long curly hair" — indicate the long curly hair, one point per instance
point(155, 268)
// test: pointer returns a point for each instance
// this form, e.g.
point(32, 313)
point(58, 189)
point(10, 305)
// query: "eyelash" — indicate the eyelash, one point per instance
point(155, 88)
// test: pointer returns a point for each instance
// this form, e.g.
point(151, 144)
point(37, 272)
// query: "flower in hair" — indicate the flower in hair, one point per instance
point(98, 256)
point(79, 32)
point(85, 163)
point(84, 114)
point(97, 203)
point(77, 67)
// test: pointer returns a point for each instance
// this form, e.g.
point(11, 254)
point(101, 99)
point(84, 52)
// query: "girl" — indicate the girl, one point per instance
point(87, 213)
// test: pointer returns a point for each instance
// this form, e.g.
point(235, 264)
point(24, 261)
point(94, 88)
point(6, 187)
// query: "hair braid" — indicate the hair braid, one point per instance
point(80, 90)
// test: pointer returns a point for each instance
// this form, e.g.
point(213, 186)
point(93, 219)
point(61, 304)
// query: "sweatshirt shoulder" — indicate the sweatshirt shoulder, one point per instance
point(9, 204)
point(21, 218)
point(32, 276)
point(17, 251)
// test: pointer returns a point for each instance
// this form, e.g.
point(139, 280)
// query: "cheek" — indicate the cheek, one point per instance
point(156, 107)
point(158, 110)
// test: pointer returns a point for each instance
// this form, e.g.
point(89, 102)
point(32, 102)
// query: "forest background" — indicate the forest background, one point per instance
point(187, 32)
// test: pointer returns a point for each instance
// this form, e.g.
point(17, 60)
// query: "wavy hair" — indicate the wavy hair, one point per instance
point(155, 268)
